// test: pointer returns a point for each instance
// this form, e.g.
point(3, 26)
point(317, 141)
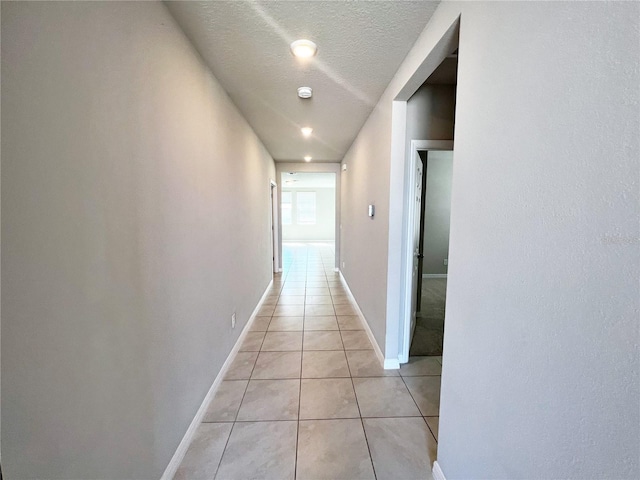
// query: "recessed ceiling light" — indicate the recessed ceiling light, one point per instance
point(307, 158)
point(305, 92)
point(306, 131)
point(303, 48)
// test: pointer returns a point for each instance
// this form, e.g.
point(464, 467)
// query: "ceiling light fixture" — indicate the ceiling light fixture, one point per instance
point(303, 48)
point(307, 158)
point(305, 92)
point(306, 131)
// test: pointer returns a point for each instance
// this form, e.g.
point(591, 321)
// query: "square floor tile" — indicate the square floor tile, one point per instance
point(286, 324)
point(350, 322)
point(318, 300)
point(346, 309)
point(241, 366)
point(356, 340)
point(226, 401)
point(277, 365)
point(252, 342)
point(321, 323)
point(399, 447)
point(289, 311)
point(260, 324)
point(318, 310)
point(292, 291)
point(433, 423)
point(270, 400)
point(333, 449)
point(323, 364)
point(270, 300)
point(318, 291)
point(317, 284)
point(341, 300)
point(322, 398)
point(203, 456)
point(365, 363)
point(426, 393)
point(291, 300)
point(421, 366)
point(265, 450)
point(322, 340)
point(384, 397)
point(282, 341)
point(266, 311)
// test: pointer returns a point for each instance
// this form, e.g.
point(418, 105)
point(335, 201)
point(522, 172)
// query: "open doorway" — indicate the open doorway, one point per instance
point(308, 208)
point(430, 124)
point(274, 228)
point(433, 252)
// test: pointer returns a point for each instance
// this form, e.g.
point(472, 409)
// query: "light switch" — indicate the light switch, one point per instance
point(372, 210)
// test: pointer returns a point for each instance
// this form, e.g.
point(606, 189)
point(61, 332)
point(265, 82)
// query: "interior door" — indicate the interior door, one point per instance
point(417, 234)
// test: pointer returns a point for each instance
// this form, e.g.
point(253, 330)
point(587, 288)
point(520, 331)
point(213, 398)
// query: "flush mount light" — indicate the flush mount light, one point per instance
point(306, 131)
point(305, 92)
point(303, 48)
point(307, 158)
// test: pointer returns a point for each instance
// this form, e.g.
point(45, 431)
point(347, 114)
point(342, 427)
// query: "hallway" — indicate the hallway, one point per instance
point(306, 396)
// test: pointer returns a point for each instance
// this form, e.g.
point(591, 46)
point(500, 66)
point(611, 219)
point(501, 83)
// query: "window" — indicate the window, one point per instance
point(306, 208)
point(286, 208)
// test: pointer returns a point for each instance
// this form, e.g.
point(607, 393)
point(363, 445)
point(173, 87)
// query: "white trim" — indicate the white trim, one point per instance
point(365, 325)
point(180, 452)
point(391, 364)
point(434, 275)
point(437, 472)
point(407, 286)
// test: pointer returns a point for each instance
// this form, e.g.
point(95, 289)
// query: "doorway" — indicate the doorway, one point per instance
point(274, 228)
point(427, 232)
point(432, 252)
point(308, 206)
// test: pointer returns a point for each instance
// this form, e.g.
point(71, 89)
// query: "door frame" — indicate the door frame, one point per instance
point(304, 167)
point(275, 241)
point(407, 245)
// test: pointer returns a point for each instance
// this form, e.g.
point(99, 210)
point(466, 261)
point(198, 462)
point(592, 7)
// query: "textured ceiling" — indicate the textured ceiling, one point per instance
point(360, 47)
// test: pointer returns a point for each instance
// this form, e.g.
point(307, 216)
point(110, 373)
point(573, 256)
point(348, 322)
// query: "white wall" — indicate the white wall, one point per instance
point(123, 252)
point(324, 228)
point(437, 211)
point(540, 369)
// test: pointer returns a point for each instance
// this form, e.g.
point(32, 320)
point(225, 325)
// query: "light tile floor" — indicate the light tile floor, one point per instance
point(306, 397)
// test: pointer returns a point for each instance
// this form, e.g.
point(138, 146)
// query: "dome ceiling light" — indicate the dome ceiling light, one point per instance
point(303, 48)
point(307, 158)
point(306, 131)
point(305, 92)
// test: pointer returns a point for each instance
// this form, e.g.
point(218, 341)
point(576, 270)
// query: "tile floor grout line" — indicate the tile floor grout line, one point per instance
point(411, 394)
point(360, 413)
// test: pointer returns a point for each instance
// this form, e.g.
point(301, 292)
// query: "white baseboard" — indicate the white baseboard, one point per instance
point(365, 325)
point(437, 472)
point(180, 452)
point(434, 275)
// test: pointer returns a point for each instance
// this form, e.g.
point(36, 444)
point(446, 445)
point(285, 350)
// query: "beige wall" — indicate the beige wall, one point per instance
point(135, 220)
point(540, 367)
